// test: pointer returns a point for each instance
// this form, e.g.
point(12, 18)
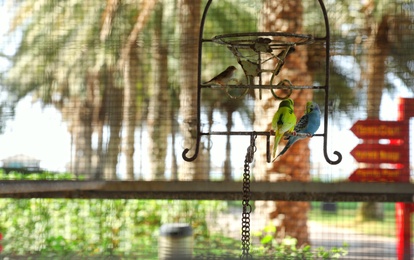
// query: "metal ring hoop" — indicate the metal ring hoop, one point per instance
point(236, 97)
point(295, 39)
point(282, 84)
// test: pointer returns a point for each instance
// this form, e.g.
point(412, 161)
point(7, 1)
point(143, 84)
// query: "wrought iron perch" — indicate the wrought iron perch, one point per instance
point(259, 43)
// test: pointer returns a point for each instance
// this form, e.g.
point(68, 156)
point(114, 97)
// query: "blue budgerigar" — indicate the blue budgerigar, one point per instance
point(307, 125)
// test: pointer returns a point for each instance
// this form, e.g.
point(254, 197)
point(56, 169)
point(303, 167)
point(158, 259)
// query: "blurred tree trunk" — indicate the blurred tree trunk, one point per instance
point(96, 99)
point(174, 106)
point(99, 119)
point(377, 47)
point(210, 115)
point(113, 104)
point(82, 127)
point(158, 123)
point(129, 112)
point(100, 90)
point(129, 67)
point(189, 20)
point(286, 16)
point(174, 165)
point(227, 161)
point(81, 130)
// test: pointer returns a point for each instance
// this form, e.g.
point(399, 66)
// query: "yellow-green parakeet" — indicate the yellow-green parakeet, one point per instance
point(283, 121)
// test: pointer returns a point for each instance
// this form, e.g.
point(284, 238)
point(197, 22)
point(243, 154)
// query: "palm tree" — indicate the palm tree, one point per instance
point(295, 164)
point(82, 84)
point(52, 79)
point(174, 105)
point(217, 22)
point(158, 125)
point(386, 34)
point(129, 67)
point(114, 98)
point(189, 13)
point(230, 106)
point(377, 46)
point(379, 43)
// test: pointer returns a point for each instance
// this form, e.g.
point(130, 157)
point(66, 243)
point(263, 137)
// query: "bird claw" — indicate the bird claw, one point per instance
point(272, 132)
point(309, 135)
point(293, 133)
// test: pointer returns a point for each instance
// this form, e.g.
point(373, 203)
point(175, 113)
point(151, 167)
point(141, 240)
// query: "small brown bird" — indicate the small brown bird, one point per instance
point(223, 78)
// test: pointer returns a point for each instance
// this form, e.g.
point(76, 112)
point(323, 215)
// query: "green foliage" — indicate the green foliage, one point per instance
point(287, 248)
point(51, 227)
point(347, 213)
point(15, 175)
point(220, 246)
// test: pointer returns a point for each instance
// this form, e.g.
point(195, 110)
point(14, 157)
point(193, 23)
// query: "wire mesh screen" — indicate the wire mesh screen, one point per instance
point(133, 229)
point(206, 92)
point(110, 90)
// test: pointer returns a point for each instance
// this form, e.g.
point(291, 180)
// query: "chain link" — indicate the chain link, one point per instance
point(247, 208)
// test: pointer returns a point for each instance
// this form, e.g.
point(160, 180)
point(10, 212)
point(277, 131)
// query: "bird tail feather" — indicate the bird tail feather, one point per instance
point(284, 149)
point(278, 136)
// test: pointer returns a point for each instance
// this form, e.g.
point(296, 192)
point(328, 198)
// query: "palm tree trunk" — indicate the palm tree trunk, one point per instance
point(129, 114)
point(210, 115)
point(114, 108)
point(227, 161)
point(158, 123)
point(377, 54)
point(128, 65)
point(81, 130)
point(96, 96)
point(295, 164)
point(100, 115)
point(378, 47)
point(189, 19)
point(99, 153)
point(100, 118)
point(174, 165)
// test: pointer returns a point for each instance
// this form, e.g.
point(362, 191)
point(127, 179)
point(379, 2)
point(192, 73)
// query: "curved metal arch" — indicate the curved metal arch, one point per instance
point(200, 41)
point(327, 73)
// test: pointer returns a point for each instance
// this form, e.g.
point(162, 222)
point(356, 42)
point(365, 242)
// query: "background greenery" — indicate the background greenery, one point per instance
point(130, 228)
point(49, 228)
point(72, 55)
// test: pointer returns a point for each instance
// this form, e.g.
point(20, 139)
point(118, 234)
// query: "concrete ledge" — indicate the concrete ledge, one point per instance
point(209, 190)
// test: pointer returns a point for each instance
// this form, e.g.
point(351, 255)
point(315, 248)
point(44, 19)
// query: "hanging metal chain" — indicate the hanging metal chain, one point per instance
point(247, 208)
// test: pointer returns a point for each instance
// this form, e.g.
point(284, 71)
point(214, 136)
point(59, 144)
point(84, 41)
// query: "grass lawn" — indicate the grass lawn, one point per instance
point(346, 217)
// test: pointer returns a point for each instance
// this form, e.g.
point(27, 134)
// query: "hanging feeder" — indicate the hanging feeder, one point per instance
point(252, 51)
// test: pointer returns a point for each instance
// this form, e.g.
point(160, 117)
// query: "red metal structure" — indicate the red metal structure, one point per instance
point(396, 153)
point(403, 210)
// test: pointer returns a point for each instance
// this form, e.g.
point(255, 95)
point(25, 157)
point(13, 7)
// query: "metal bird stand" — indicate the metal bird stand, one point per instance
point(253, 51)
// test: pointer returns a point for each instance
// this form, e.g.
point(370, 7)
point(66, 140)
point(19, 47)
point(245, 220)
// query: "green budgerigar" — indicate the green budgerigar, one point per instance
point(283, 121)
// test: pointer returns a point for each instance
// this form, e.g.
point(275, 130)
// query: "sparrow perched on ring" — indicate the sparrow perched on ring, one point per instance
point(222, 79)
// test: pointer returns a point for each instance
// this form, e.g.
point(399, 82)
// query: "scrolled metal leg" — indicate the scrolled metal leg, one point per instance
point(337, 161)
